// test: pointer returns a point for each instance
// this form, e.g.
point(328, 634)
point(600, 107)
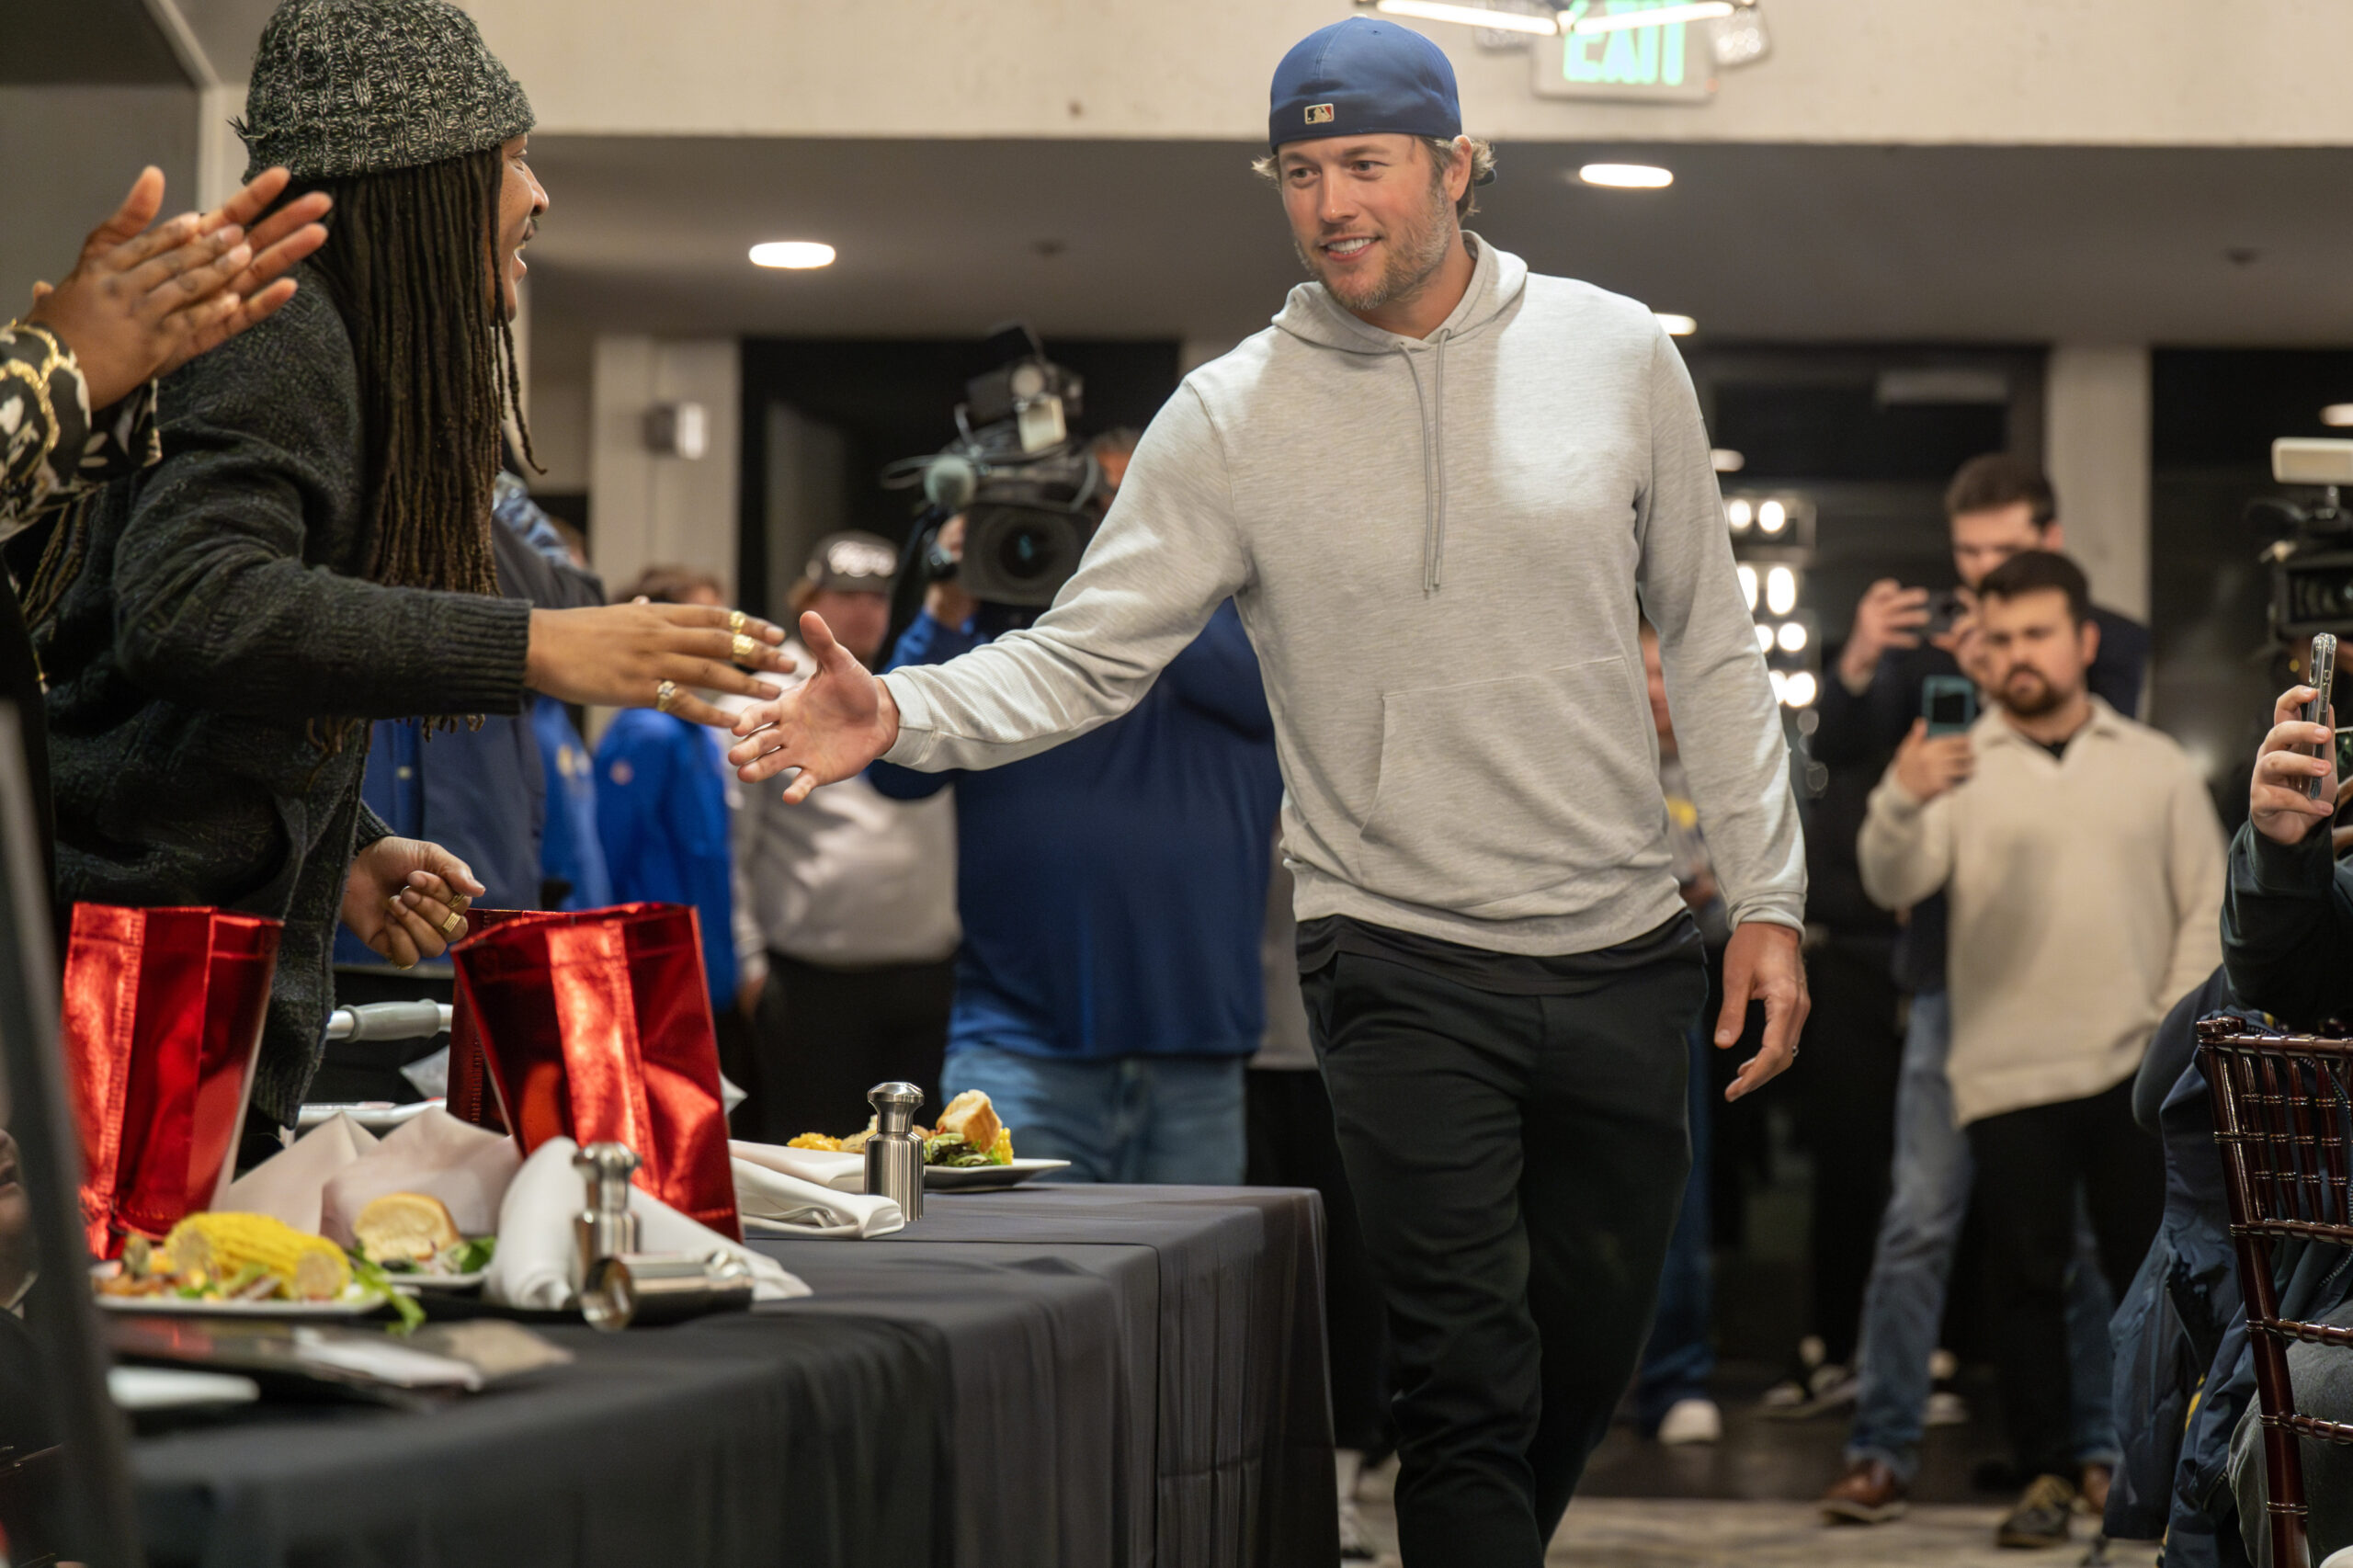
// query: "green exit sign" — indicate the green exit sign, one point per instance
point(1668, 62)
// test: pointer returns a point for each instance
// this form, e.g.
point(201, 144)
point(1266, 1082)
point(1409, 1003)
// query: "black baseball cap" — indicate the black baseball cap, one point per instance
point(1363, 77)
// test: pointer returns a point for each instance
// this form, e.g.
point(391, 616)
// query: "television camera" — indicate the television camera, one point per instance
point(2312, 560)
point(1027, 489)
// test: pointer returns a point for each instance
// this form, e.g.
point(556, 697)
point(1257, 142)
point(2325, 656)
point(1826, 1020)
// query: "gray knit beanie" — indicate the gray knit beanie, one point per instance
point(352, 86)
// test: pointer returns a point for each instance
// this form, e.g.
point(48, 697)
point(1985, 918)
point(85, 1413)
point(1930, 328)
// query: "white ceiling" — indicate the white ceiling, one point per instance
point(1176, 239)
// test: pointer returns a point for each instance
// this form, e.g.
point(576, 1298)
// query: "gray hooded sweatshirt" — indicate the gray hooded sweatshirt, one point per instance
point(1440, 549)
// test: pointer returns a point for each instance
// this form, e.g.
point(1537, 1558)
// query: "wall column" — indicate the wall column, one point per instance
point(2096, 448)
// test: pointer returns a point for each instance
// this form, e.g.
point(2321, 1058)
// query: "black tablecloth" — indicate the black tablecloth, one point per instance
point(1067, 1377)
point(733, 1440)
point(1216, 1407)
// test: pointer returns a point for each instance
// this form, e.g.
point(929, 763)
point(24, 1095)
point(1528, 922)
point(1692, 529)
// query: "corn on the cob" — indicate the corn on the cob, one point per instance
point(217, 1245)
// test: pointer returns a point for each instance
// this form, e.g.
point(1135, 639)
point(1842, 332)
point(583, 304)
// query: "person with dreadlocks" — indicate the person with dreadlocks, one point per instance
point(315, 552)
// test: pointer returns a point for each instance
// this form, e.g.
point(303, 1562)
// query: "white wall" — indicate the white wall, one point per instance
point(647, 510)
point(2100, 71)
point(69, 153)
point(2095, 449)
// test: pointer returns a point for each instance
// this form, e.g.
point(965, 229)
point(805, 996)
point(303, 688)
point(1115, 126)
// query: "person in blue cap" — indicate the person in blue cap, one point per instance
point(1444, 493)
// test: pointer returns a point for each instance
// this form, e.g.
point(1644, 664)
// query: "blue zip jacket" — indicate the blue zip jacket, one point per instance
point(1113, 890)
point(662, 817)
point(570, 851)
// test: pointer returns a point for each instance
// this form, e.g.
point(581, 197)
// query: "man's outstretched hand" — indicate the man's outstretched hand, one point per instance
point(1762, 964)
point(829, 727)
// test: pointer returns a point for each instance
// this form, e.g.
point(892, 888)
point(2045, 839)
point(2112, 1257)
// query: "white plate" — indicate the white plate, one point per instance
point(983, 1178)
point(180, 1306)
point(169, 1388)
point(415, 1282)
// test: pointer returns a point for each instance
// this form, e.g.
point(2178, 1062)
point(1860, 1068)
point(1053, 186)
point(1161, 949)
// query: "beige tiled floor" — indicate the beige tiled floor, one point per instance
point(1691, 1533)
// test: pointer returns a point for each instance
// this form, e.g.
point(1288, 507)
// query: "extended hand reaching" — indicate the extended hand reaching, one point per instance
point(829, 727)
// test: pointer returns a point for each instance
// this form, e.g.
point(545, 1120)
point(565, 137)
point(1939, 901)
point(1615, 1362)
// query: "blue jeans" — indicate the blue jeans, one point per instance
point(1904, 1304)
point(1680, 1359)
point(1127, 1119)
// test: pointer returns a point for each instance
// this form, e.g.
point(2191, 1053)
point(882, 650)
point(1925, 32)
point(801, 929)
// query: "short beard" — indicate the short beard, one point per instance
point(2048, 699)
point(1414, 258)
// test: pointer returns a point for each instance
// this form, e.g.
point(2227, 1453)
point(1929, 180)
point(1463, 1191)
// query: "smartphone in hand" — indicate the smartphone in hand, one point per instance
point(1948, 703)
point(2320, 673)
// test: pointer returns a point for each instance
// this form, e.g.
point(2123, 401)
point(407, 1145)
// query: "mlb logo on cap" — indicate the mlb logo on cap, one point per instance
point(1319, 114)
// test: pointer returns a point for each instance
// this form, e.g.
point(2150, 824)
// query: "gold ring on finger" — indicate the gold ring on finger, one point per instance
point(463, 903)
point(736, 620)
point(664, 695)
point(451, 927)
point(744, 649)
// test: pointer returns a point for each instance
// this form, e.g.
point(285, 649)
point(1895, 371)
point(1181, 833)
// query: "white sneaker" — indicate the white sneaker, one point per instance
point(1946, 1408)
point(1356, 1542)
point(1692, 1421)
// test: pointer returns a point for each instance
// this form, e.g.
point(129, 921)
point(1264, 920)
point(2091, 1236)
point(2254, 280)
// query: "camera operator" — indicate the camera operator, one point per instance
point(1108, 993)
point(1997, 507)
point(2082, 863)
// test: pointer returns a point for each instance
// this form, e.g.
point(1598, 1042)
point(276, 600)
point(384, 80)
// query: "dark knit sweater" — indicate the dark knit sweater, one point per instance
point(219, 612)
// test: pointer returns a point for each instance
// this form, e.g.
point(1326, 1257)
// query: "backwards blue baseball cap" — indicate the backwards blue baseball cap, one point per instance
point(1363, 77)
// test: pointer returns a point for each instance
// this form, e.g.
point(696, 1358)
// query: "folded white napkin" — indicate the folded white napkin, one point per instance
point(765, 1196)
point(290, 1185)
point(537, 1254)
point(843, 1173)
point(468, 1168)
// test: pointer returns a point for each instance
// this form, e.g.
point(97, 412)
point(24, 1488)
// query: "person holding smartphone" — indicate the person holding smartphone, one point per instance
point(2288, 912)
point(1998, 505)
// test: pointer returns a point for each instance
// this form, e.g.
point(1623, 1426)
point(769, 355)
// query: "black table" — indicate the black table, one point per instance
point(1067, 1377)
point(1206, 1410)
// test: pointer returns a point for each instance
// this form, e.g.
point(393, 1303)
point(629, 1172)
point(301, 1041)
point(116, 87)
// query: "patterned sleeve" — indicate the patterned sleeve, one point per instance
point(50, 444)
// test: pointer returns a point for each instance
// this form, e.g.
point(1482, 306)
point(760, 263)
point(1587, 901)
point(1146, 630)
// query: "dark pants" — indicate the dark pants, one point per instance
point(824, 1036)
point(2029, 1164)
point(1292, 1144)
point(1518, 1164)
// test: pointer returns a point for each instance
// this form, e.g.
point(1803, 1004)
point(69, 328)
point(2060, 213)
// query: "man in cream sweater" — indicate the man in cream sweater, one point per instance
point(2082, 863)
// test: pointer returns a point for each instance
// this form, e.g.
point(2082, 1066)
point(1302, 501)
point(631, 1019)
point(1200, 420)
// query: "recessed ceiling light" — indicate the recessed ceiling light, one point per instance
point(1676, 326)
point(797, 254)
point(1723, 459)
point(1469, 15)
point(2337, 415)
point(1627, 176)
point(1656, 17)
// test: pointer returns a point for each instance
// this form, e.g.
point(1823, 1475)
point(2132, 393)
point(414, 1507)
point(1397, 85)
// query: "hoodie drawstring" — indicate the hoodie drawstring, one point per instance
point(1433, 410)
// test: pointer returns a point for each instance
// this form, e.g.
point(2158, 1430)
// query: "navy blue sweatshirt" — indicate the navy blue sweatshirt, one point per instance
point(1114, 889)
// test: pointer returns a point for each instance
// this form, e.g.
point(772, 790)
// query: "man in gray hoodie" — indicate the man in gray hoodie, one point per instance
point(1443, 491)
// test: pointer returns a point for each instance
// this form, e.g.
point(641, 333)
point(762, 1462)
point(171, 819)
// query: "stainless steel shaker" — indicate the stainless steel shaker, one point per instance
point(643, 1288)
point(893, 1153)
point(605, 1228)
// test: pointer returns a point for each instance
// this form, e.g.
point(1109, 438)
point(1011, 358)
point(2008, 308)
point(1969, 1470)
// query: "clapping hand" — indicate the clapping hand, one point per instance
point(142, 302)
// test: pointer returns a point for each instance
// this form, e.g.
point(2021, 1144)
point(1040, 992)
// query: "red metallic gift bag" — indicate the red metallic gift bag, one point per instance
point(161, 1018)
point(596, 1026)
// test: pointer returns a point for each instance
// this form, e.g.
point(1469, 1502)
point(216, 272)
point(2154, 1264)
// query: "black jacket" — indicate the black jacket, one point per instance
point(2288, 929)
point(217, 618)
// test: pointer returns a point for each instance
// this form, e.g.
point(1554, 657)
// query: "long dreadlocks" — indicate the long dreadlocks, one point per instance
point(411, 266)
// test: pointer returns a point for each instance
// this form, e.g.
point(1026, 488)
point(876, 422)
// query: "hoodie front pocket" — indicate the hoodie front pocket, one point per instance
point(1497, 798)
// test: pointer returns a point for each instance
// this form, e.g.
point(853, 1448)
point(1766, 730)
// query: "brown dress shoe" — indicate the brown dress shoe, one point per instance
point(2091, 1492)
point(1868, 1494)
